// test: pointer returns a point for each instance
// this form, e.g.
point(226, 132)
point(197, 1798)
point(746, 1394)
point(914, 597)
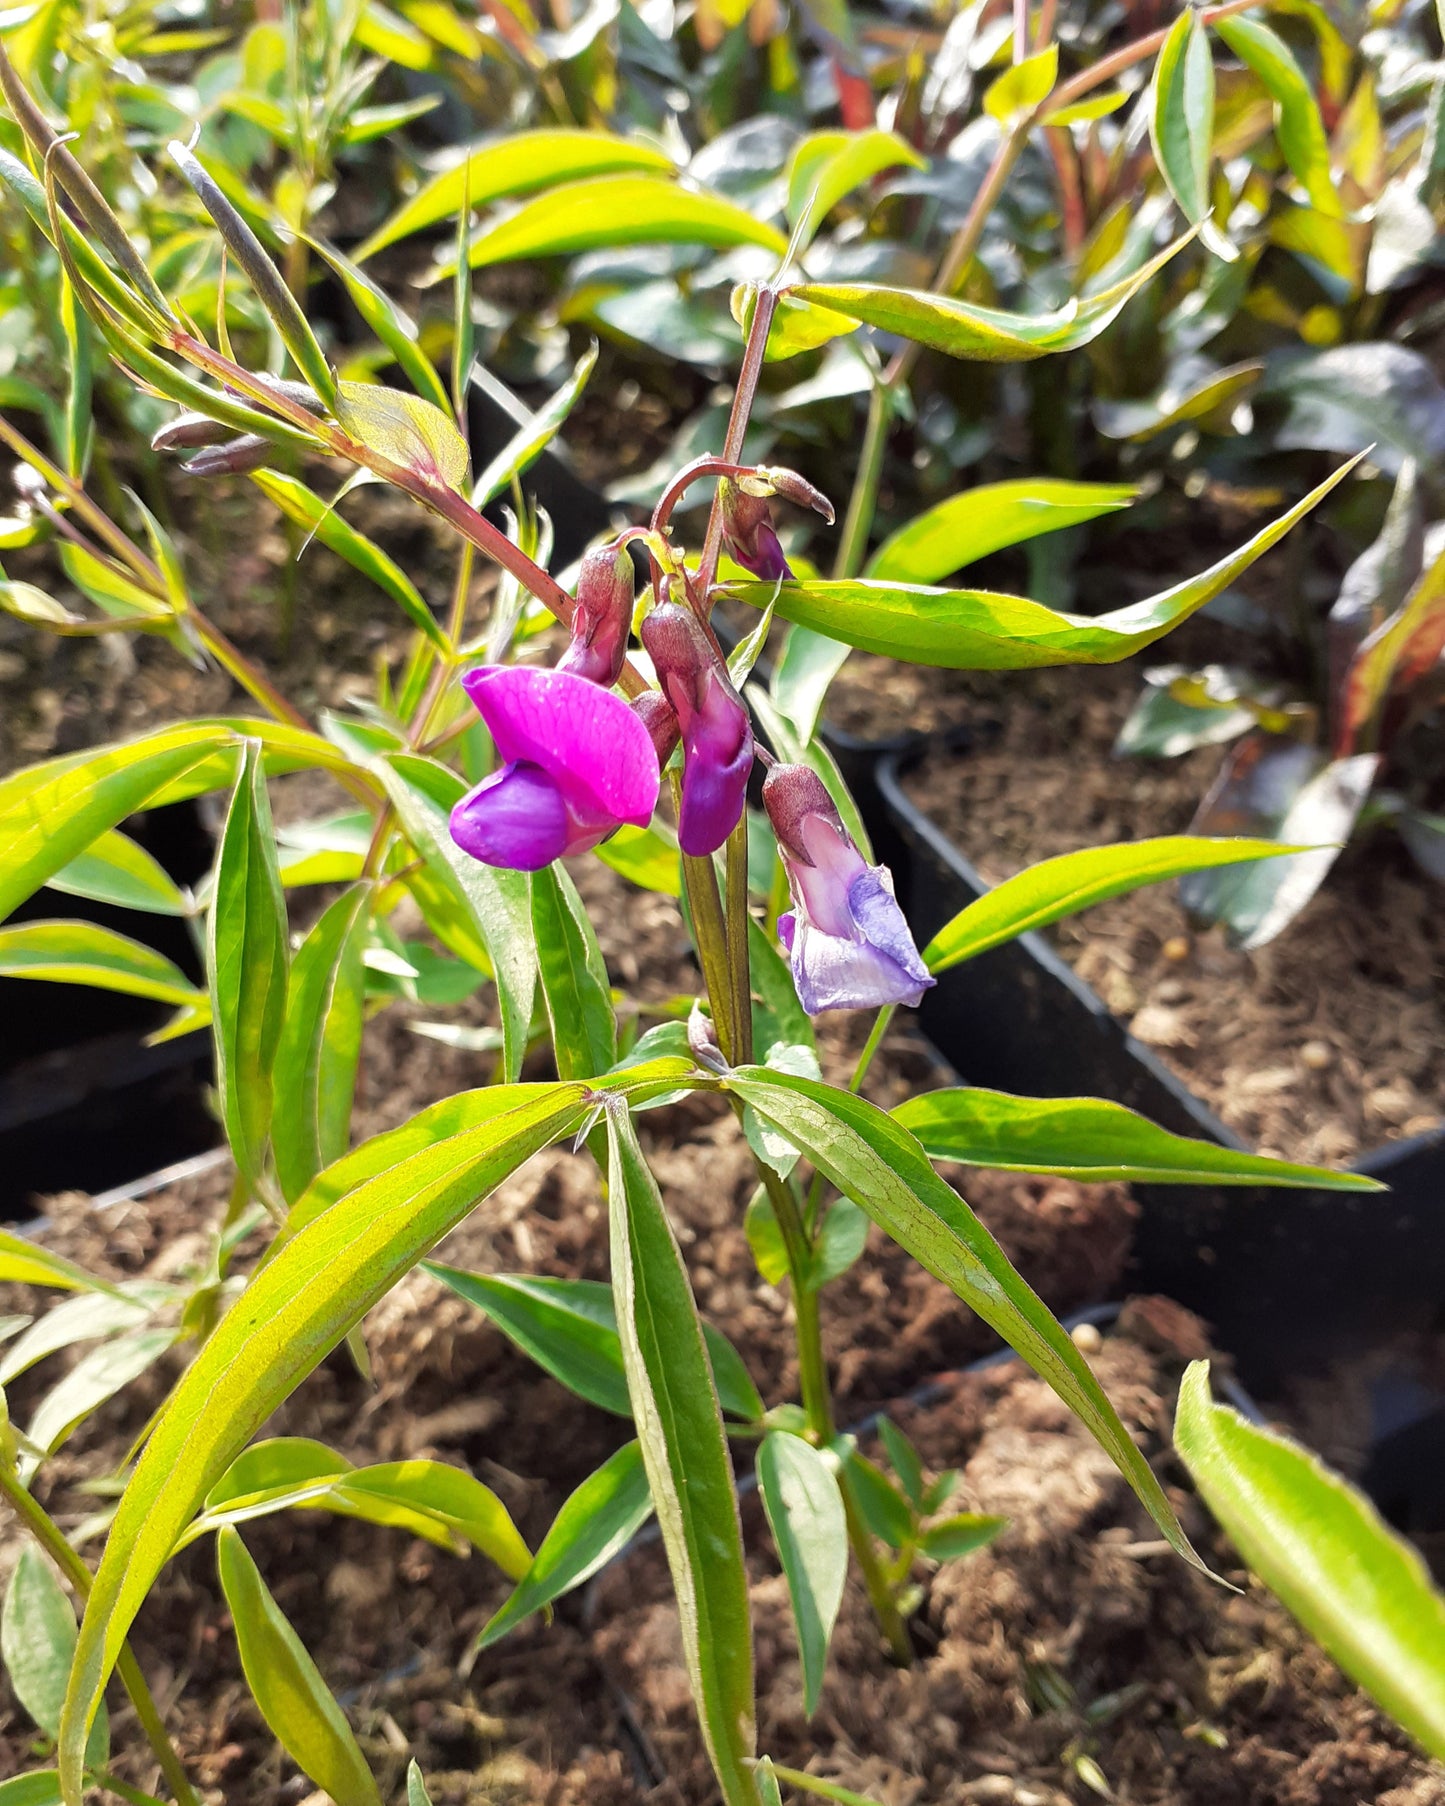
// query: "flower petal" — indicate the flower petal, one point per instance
point(584, 737)
point(881, 922)
point(831, 973)
point(517, 818)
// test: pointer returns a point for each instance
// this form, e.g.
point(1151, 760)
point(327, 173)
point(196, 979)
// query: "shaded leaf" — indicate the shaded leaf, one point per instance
point(805, 1514)
point(1298, 125)
point(574, 979)
point(958, 1536)
point(532, 440)
point(37, 1641)
point(113, 869)
point(1181, 121)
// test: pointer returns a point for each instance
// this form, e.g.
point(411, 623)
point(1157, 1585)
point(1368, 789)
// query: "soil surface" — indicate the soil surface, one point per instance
point(1329, 1040)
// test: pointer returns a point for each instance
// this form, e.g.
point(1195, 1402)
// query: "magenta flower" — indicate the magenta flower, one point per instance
point(749, 533)
point(717, 736)
point(847, 941)
point(578, 763)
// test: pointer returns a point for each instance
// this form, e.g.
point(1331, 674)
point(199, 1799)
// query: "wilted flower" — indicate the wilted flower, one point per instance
point(717, 736)
point(848, 943)
point(578, 763)
point(603, 617)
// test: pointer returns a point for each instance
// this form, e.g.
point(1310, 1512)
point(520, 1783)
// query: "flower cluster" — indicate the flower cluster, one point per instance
point(578, 762)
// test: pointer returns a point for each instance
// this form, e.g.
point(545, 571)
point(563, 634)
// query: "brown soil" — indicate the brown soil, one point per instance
point(1076, 1634)
point(1329, 1040)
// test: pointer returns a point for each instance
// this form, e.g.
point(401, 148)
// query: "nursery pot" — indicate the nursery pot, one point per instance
point(1291, 1282)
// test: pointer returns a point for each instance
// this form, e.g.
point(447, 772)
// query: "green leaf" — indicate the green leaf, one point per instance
point(50, 813)
point(1070, 882)
point(320, 1044)
point(976, 630)
point(287, 1685)
point(1090, 1139)
point(903, 1459)
point(829, 165)
point(1095, 106)
point(448, 1494)
point(645, 858)
point(299, 1305)
point(94, 1379)
point(246, 956)
point(1356, 1587)
point(685, 1452)
point(802, 675)
point(416, 1793)
point(113, 869)
point(26, 1263)
point(1298, 126)
point(596, 1523)
point(517, 163)
point(963, 329)
point(81, 1319)
point(806, 1516)
point(82, 953)
point(37, 1641)
point(878, 1164)
point(1181, 123)
point(1022, 87)
point(79, 422)
point(405, 431)
point(976, 522)
point(815, 1784)
point(391, 326)
point(42, 1788)
point(569, 1328)
point(958, 1536)
point(494, 904)
point(882, 1504)
point(527, 445)
point(322, 522)
point(112, 591)
point(619, 210)
point(574, 979)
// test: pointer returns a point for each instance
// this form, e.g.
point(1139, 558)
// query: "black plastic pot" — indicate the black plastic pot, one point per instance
point(1290, 1282)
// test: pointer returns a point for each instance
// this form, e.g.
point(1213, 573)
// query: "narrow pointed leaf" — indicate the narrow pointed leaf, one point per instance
point(597, 1522)
point(1088, 1138)
point(246, 956)
point(298, 1306)
point(810, 1528)
point(976, 630)
point(390, 325)
point(320, 1044)
point(26, 1263)
point(37, 1642)
point(877, 1163)
point(83, 953)
point(1064, 885)
point(448, 1494)
point(516, 164)
point(1181, 115)
point(976, 522)
point(574, 979)
point(286, 1684)
point(685, 1452)
point(1298, 125)
point(828, 166)
point(114, 869)
point(1322, 1548)
point(527, 445)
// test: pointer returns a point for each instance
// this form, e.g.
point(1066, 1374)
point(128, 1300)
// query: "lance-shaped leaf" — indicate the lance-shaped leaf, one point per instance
point(37, 1642)
point(94, 1379)
point(403, 430)
point(877, 1163)
point(26, 1263)
point(528, 444)
point(1090, 1139)
point(976, 522)
point(320, 1044)
point(574, 979)
point(1064, 885)
point(321, 520)
point(1298, 125)
point(569, 1327)
point(1181, 122)
point(391, 326)
point(1396, 654)
point(518, 163)
point(827, 166)
point(50, 813)
point(1022, 87)
point(596, 1523)
point(495, 903)
point(1354, 1585)
point(976, 630)
point(287, 1685)
point(685, 1452)
point(297, 1307)
point(114, 869)
point(79, 421)
point(82, 953)
point(619, 210)
point(962, 329)
point(246, 957)
point(805, 1513)
point(265, 278)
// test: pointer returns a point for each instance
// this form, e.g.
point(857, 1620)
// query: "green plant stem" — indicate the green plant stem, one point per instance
point(739, 965)
point(48, 1534)
point(709, 927)
point(875, 1581)
point(753, 355)
point(863, 499)
point(860, 1072)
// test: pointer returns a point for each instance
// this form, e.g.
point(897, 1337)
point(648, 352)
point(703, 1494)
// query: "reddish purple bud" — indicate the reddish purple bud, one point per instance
point(577, 764)
point(846, 938)
point(233, 459)
point(749, 533)
point(717, 736)
point(792, 488)
point(659, 717)
point(187, 431)
point(603, 617)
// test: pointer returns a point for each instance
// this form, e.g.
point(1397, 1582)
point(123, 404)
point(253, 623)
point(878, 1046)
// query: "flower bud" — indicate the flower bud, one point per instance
point(187, 431)
point(233, 459)
point(748, 531)
point(659, 717)
point(603, 616)
point(717, 736)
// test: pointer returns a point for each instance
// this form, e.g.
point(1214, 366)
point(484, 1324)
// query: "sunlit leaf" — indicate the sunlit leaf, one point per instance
point(976, 522)
point(113, 869)
point(528, 444)
point(573, 977)
point(827, 166)
point(1022, 87)
point(404, 430)
point(83, 953)
point(1298, 125)
point(1181, 122)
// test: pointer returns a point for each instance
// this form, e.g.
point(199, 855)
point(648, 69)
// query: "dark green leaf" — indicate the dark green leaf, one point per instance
point(959, 1536)
point(810, 1528)
point(574, 979)
point(37, 1641)
point(903, 1459)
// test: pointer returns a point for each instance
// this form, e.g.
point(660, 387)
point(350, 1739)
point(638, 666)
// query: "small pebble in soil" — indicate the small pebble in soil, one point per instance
point(1394, 1102)
point(1176, 949)
point(1317, 1056)
point(1087, 1338)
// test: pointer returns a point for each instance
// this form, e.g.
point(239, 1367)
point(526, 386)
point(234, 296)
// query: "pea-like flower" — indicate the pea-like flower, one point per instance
point(577, 764)
point(747, 520)
point(846, 938)
point(717, 736)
